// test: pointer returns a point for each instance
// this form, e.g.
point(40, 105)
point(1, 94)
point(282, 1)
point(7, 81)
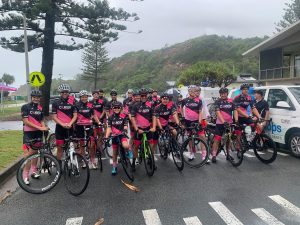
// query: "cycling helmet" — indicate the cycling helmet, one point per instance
point(170, 96)
point(192, 88)
point(180, 96)
point(136, 93)
point(95, 91)
point(117, 104)
point(113, 92)
point(244, 86)
point(36, 93)
point(164, 95)
point(259, 92)
point(64, 87)
point(130, 91)
point(154, 90)
point(83, 93)
point(223, 90)
point(101, 91)
point(197, 88)
point(143, 91)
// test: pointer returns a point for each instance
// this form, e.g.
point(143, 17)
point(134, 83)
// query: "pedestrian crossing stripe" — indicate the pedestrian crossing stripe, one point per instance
point(151, 216)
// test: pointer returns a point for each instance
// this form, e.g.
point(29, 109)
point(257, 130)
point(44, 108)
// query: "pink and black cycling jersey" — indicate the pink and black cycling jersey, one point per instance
point(164, 112)
point(243, 102)
point(174, 108)
point(117, 122)
point(34, 113)
point(64, 109)
point(85, 113)
point(155, 100)
point(126, 104)
point(142, 112)
point(192, 108)
point(98, 106)
point(108, 107)
point(226, 108)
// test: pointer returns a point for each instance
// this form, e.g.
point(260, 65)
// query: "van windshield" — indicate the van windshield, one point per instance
point(296, 92)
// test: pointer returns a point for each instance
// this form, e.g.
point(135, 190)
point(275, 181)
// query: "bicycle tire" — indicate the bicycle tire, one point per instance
point(126, 164)
point(49, 185)
point(237, 153)
point(185, 150)
point(73, 171)
point(177, 155)
point(163, 150)
point(108, 150)
point(244, 143)
point(99, 157)
point(271, 144)
point(148, 159)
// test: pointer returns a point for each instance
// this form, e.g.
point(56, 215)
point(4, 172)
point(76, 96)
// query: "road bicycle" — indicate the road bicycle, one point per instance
point(145, 154)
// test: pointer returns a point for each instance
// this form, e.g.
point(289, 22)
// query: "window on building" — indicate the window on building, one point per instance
point(277, 95)
point(297, 66)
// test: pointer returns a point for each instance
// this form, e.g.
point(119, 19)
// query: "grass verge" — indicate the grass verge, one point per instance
point(10, 147)
point(11, 113)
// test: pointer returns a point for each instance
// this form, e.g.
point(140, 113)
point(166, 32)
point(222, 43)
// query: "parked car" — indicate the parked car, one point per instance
point(284, 102)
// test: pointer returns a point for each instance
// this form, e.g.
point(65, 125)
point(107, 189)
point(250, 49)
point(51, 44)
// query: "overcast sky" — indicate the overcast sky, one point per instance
point(164, 22)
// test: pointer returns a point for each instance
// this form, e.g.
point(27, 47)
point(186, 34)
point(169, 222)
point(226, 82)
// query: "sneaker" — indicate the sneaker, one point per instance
point(26, 181)
point(114, 171)
point(35, 175)
point(129, 154)
point(207, 162)
point(137, 162)
point(83, 165)
point(214, 159)
point(94, 166)
point(192, 157)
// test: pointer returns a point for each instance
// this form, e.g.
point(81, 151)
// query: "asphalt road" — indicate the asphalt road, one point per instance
point(213, 194)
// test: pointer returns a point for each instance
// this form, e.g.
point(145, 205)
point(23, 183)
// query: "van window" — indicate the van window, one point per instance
point(276, 95)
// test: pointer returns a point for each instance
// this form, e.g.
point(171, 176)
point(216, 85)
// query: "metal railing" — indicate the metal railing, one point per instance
point(280, 73)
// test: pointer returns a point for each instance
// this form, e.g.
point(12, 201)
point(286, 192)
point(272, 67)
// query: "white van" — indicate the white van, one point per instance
point(284, 102)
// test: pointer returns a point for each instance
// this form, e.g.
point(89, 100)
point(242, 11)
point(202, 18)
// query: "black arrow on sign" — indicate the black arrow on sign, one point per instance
point(37, 77)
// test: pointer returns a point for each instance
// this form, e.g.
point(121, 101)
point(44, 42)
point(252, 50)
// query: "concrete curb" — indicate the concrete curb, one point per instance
point(9, 171)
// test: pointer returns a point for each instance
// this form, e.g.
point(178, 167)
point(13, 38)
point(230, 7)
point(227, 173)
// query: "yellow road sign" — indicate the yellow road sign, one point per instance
point(36, 79)
point(180, 86)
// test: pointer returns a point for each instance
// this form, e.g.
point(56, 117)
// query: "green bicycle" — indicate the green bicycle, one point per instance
point(145, 154)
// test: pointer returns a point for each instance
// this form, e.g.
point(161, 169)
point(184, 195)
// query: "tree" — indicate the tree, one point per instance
point(291, 15)
point(207, 74)
point(95, 60)
point(50, 20)
point(7, 79)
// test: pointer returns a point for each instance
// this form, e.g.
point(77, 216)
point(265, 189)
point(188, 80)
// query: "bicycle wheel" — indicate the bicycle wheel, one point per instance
point(264, 148)
point(52, 144)
point(99, 157)
point(234, 154)
point(40, 178)
point(148, 159)
point(162, 146)
point(177, 155)
point(126, 164)
point(244, 143)
point(108, 149)
point(76, 178)
point(195, 152)
point(181, 137)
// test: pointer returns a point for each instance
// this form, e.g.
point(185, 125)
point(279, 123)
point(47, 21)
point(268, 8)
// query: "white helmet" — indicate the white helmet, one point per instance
point(83, 93)
point(192, 88)
point(64, 87)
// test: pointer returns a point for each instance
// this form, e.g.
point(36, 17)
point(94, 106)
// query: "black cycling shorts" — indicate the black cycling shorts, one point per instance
point(30, 135)
point(219, 130)
point(62, 133)
point(79, 130)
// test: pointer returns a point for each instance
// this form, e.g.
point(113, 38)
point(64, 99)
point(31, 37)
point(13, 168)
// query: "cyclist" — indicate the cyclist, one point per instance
point(98, 106)
point(174, 118)
point(114, 98)
point(117, 125)
point(101, 96)
point(143, 119)
point(85, 117)
point(154, 98)
point(64, 114)
point(136, 98)
point(164, 111)
point(33, 127)
point(192, 111)
point(225, 110)
point(127, 101)
point(262, 107)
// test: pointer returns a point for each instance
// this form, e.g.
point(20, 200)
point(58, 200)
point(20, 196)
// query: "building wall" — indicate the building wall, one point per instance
point(283, 82)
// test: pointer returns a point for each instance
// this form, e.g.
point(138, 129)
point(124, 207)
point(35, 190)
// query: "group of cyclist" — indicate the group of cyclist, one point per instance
point(143, 111)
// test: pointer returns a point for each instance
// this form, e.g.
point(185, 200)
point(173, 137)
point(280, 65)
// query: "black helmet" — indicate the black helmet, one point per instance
point(143, 91)
point(113, 92)
point(244, 86)
point(164, 95)
point(95, 91)
point(117, 104)
point(180, 96)
point(101, 91)
point(259, 91)
point(135, 93)
point(223, 90)
point(170, 96)
point(36, 93)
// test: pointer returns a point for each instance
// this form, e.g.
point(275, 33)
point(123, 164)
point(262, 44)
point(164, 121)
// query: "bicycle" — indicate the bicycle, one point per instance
point(229, 144)
point(124, 159)
point(168, 144)
point(263, 145)
point(48, 170)
point(74, 173)
point(145, 154)
point(195, 149)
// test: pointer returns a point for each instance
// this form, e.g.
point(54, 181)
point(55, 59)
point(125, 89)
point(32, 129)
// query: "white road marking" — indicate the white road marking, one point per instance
point(248, 155)
point(110, 161)
point(225, 213)
point(192, 221)
point(74, 221)
point(155, 158)
point(267, 217)
point(282, 154)
point(286, 204)
point(151, 217)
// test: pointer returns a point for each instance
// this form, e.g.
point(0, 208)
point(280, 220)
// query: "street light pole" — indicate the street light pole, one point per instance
point(26, 58)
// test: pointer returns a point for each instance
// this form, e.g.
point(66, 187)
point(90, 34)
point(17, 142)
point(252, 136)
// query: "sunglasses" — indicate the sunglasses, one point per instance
point(117, 107)
point(165, 98)
point(64, 92)
point(113, 95)
point(143, 96)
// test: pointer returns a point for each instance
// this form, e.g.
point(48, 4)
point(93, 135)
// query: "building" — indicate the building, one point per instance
point(244, 78)
point(279, 57)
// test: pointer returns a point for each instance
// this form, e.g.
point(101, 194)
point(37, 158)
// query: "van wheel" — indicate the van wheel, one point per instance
point(294, 144)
